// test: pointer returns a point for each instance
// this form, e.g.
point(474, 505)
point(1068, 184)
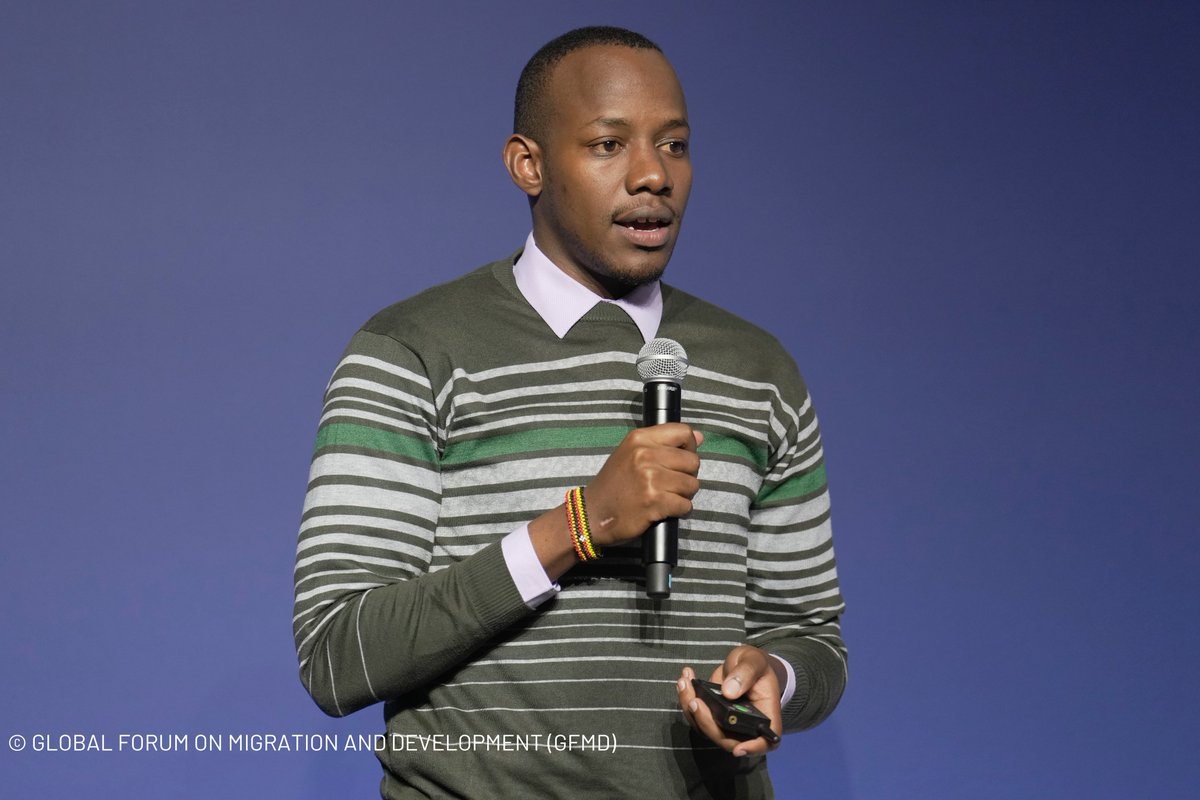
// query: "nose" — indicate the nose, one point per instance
point(648, 171)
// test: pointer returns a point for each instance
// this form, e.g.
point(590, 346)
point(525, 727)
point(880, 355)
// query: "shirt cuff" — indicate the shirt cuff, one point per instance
point(527, 572)
point(790, 689)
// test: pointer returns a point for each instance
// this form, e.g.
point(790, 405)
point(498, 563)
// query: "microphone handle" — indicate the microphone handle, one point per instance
point(660, 542)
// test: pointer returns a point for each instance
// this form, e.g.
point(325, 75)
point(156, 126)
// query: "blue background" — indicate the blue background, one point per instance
point(974, 225)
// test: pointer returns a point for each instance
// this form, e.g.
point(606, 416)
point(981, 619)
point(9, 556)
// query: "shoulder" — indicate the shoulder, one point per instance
point(466, 324)
point(426, 334)
point(438, 312)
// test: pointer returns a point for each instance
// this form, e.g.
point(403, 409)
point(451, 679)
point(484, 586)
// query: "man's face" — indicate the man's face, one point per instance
point(616, 171)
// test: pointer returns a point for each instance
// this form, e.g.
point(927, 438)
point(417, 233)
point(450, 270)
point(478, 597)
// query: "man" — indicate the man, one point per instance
point(443, 566)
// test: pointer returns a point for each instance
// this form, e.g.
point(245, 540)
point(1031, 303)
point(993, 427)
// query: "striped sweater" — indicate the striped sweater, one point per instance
point(455, 416)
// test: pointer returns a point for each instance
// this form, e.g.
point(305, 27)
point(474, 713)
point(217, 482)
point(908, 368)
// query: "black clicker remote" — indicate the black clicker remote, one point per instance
point(736, 717)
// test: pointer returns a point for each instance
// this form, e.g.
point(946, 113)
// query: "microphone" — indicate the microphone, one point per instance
point(662, 365)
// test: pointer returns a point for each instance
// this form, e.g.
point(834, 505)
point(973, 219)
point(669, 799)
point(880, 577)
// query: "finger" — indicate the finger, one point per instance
point(747, 672)
point(743, 668)
point(676, 459)
point(646, 448)
point(660, 491)
point(668, 434)
point(669, 482)
point(753, 747)
point(696, 712)
point(702, 720)
point(650, 457)
point(687, 694)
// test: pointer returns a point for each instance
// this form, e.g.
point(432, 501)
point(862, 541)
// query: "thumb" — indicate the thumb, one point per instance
point(741, 671)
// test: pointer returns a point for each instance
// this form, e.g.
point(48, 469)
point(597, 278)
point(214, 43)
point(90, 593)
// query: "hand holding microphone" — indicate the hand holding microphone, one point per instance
point(650, 479)
point(662, 365)
point(645, 484)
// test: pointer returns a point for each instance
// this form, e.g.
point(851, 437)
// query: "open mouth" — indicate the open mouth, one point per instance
point(645, 224)
point(647, 232)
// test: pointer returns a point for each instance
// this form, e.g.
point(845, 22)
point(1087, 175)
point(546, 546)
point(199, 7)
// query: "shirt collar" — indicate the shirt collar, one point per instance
point(561, 301)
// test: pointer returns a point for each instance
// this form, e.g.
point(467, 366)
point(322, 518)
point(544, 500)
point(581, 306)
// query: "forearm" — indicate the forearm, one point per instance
point(794, 602)
point(795, 615)
point(383, 642)
point(820, 671)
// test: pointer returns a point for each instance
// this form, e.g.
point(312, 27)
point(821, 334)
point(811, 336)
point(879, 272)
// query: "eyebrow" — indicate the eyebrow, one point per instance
point(621, 122)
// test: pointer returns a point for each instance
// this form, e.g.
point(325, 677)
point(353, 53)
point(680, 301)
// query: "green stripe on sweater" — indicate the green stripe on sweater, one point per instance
point(530, 441)
point(576, 438)
point(393, 442)
point(734, 447)
point(796, 486)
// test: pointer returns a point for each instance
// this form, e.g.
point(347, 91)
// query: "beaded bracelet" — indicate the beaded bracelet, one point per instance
point(581, 536)
point(579, 551)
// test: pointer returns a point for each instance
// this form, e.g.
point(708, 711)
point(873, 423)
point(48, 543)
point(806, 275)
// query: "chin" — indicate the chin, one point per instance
point(638, 276)
point(641, 271)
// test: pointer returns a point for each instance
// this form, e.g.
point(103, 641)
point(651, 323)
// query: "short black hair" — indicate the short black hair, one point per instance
point(530, 113)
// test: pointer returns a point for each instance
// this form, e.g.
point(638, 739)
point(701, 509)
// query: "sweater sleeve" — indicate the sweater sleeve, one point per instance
point(793, 602)
point(372, 621)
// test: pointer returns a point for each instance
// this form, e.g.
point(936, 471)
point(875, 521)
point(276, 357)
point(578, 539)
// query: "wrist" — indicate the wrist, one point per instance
point(577, 526)
point(780, 670)
point(551, 541)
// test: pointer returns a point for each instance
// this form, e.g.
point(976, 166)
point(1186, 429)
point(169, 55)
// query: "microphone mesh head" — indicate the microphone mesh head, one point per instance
point(662, 360)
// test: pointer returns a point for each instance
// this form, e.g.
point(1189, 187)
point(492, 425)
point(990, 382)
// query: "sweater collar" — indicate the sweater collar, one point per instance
point(561, 301)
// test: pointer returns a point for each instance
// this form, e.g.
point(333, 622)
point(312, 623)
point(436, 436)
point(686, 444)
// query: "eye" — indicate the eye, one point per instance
point(676, 147)
point(606, 147)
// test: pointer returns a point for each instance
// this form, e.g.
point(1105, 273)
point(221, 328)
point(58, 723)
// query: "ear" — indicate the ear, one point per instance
point(523, 158)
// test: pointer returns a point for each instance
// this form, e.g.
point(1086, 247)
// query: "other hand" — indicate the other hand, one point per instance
point(748, 671)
